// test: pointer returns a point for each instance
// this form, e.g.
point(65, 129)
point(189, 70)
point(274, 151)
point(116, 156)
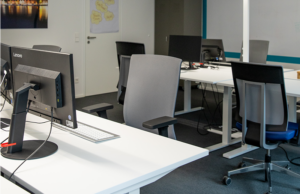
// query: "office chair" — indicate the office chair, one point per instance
point(123, 78)
point(262, 114)
point(151, 94)
point(47, 48)
point(258, 51)
point(127, 49)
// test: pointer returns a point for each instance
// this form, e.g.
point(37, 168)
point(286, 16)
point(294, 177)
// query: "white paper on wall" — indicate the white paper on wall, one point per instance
point(104, 16)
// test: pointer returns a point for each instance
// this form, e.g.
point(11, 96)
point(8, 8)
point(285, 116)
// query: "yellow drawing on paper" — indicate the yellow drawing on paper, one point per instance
point(96, 17)
point(101, 6)
point(109, 2)
point(109, 16)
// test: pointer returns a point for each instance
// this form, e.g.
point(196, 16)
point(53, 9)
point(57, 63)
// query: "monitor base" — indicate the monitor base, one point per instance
point(29, 147)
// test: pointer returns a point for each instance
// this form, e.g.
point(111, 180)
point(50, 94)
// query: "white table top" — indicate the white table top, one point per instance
point(211, 76)
point(207, 75)
point(80, 166)
point(291, 75)
point(8, 187)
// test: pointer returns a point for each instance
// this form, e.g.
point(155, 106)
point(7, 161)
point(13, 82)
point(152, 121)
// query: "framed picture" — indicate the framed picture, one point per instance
point(18, 14)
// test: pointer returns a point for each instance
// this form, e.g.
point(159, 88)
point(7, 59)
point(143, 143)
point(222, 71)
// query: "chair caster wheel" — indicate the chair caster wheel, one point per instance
point(242, 165)
point(288, 167)
point(226, 180)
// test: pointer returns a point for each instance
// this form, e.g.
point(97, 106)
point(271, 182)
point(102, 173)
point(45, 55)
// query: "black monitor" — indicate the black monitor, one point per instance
point(44, 81)
point(212, 50)
point(129, 48)
point(7, 85)
point(187, 48)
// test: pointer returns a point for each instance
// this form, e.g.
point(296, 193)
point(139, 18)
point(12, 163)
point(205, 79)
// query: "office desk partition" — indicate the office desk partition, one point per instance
point(119, 166)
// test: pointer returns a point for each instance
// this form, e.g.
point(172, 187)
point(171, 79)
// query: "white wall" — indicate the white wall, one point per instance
point(274, 20)
point(65, 18)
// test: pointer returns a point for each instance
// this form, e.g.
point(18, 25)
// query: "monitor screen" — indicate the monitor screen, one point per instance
point(7, 85)
point(48, 63)
point(213, 50)
point(187, 48)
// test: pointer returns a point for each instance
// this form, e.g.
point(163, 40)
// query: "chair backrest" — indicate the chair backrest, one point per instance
point(47, 48)
point(129, 48)
point(151, 90)
point(258, 51)
point(123, 78)
point(258, 86)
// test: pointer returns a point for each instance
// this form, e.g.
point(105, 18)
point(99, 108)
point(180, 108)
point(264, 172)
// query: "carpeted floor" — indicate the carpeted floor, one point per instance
point(205, 175)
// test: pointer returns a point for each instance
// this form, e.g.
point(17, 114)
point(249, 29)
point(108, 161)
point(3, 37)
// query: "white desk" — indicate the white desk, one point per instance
point(203, 75)
point(292, 91)
point(291, 75)
point(117, 166)
point(8, 187)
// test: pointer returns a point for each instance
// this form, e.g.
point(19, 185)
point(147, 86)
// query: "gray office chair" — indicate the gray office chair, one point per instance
point(258, 51)
point(151, 94)
point(47, 48)
point(262, 115)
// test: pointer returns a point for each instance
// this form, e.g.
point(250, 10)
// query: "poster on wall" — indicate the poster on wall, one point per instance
point(17, 14)
point(104, 16)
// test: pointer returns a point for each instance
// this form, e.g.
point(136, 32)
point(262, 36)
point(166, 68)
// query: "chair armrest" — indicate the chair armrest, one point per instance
point(98, 107)
point(160, 122)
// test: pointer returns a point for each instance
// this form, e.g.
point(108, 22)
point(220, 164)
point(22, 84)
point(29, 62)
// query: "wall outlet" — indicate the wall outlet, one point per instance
point(76, 80)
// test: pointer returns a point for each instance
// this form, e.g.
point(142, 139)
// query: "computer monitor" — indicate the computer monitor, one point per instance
point(187, 48)
point(7, 85)
point(212, 50)
point(45, 79)
point(129, 48)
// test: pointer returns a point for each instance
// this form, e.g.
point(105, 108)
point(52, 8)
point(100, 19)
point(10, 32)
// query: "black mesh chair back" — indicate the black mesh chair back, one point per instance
point(260, 89)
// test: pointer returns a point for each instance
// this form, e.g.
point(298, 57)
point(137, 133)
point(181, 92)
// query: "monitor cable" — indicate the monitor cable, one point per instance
point(37, 148)
point(290, 160)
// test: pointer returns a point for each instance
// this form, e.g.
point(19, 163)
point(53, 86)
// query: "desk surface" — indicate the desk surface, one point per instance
point(291, 75)
point(9, 187)
point(211, 76)
point(116, 166)
point(207, 75)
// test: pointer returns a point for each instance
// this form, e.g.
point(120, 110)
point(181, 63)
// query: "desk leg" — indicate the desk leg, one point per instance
point(187, 100)
point(240, 151)
point(227, 120)
point(137, 191)
point(292, 109)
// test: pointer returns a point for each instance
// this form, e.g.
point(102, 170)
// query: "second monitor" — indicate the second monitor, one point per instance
point(187, 48)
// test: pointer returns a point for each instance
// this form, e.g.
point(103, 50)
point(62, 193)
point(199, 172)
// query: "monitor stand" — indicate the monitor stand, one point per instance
point(23, 149)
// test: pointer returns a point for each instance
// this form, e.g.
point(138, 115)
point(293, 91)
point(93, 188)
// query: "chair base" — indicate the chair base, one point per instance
point(259, 165)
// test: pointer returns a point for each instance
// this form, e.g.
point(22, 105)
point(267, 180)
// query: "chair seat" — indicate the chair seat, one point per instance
point(279, 136)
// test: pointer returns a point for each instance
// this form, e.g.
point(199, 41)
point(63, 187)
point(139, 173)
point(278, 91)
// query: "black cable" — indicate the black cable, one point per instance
point(290, 160)
point(38, 147)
